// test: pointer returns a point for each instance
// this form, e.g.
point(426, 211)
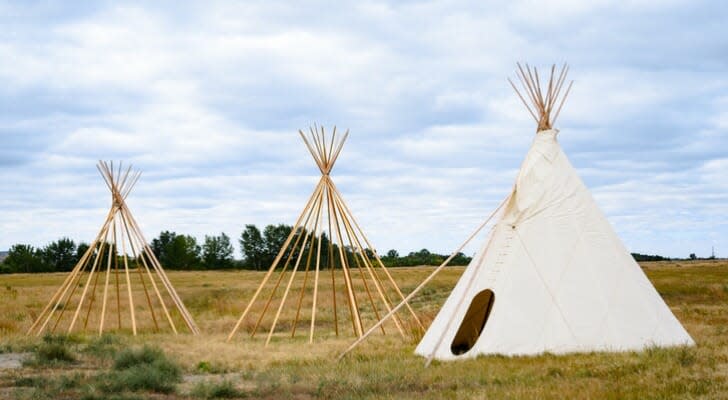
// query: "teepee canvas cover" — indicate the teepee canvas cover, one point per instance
point(553, 276)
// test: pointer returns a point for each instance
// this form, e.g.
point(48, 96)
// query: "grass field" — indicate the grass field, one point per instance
point(85, 366)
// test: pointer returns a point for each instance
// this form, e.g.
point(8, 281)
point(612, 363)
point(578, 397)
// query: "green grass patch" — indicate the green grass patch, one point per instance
point(104, 346)
point(31, 381)
point(53, 350)
point(216, 390)
point(143, 369)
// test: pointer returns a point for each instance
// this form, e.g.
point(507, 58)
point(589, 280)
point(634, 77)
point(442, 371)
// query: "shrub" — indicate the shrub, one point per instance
point(65, 382)
point(53, 350)
point(216, 390)
point(92, 396)
point(147, 369)
point(31, 381)
point(104, 346)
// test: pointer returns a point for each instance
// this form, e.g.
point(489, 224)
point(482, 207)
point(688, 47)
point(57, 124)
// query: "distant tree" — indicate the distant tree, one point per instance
point(391, 258)
point(217, 252)
point(252, 247)
point(176, 251)
point(460, 259)
point(81, 249)
point(182, 253)
point(422, 257)
point(59, 255)
point(370, 253)
point(693, 257)
point(326, 247)
point(648, 257)
point(24, 258)
point(274, 236)
point(161, 244)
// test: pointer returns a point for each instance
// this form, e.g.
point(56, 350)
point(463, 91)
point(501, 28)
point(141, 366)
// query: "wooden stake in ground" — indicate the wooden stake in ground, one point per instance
point(81, 288)
point(327, 236)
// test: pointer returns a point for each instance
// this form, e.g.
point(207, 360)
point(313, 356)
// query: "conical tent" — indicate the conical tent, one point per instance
point(552, 275)
point(118, 283)
point(327, 267)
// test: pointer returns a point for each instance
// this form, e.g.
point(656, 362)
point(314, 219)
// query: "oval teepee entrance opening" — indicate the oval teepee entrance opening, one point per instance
point(473, 322)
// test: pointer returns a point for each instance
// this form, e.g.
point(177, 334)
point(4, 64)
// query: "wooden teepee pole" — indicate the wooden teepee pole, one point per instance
point(275, 263)
point(50, 307)
point(378, 259)
point(128, 284)
point(282, 273)
point(357, 245)
point(478, 266)
point(344, 222)
point(332, 267)
point(106, 290)
point(315, 287)
point(353, 306)
point(93, 292)
point(136, 256)
point(309, 257)
point(116, 278)
point(305, 276)
point(144, 256)
point(73, 285)
point(86, 286)
point(157, 266)
point(307, 233)
point(427, 280)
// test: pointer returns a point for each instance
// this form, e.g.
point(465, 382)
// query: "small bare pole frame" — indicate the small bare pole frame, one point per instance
point(325, 235)
point(84, 284)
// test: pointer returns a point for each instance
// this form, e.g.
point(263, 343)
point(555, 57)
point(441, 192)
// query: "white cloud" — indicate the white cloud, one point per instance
point(207, 101)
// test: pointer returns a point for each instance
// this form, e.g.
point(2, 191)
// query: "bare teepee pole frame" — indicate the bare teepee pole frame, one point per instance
point(540, 107)
point(118, 232)
point(326, 218)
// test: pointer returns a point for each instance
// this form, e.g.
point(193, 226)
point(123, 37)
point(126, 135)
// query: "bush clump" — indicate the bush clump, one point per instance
point(144, 369)
point(54, 350)
point(216, 390)
point(104, 346)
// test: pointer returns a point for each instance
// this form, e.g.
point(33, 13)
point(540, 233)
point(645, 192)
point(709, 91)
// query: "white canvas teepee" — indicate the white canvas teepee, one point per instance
point(552, 276)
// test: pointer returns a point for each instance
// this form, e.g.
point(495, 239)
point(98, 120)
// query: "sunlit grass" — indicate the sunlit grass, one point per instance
point(384, 367)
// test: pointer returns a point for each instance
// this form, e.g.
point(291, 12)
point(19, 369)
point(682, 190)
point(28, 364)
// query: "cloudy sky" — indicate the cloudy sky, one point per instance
point(206, 101)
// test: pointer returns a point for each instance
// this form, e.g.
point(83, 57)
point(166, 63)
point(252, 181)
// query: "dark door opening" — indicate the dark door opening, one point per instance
point(473, 322)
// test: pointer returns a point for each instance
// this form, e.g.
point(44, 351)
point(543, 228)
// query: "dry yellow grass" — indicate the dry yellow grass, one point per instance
point(384, 367)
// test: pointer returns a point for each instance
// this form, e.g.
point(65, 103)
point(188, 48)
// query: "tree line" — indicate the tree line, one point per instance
point(63, 254)
point(258, 250)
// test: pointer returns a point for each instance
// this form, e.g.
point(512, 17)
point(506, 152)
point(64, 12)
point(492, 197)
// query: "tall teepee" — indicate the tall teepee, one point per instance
point(118, 283)
point(552, 275)
point(327, 268)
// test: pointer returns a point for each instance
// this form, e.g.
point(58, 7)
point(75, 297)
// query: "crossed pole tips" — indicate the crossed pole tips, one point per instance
point(120, 257)
point(326, 236)
point(540, 105)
